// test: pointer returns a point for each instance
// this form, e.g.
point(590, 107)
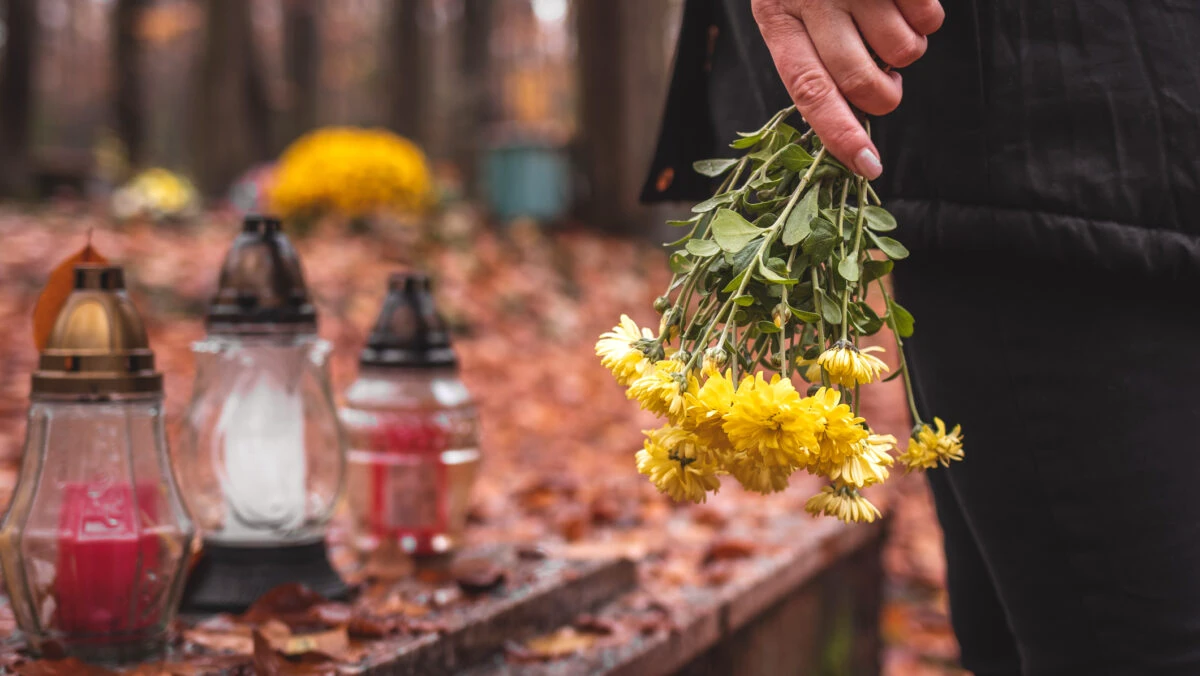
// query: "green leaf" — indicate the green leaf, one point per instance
point(865, 320)
point(735, 282)
point(890, 247)
point(679, 241)
point(713, 202)
point(901, 319)
point(805, 316)
point(773, 276)
point(713, 168)
point(799, 221)
point(819, 244)
point(794, 158)
point(847, 267)
point(767, 327)
point(878, 219)
point(703, 247)
point(876, 269)
point(744, 300)
point(680, 263)
point(732, 232)
point(747, 141)
point(831, 310)
point(680, 224)
point(787, 131)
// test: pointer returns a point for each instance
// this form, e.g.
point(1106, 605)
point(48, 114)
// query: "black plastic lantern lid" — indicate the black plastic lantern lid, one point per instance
point(261, 288)
point(409, 332)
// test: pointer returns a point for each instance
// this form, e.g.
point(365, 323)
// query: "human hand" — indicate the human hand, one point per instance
point(819, 51)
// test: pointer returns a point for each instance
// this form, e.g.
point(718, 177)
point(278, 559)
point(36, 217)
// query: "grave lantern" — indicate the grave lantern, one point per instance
point(261, 457)
point(96, 540)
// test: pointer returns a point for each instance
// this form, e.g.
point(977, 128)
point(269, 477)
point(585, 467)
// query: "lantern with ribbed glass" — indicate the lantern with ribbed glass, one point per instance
point(96, 540)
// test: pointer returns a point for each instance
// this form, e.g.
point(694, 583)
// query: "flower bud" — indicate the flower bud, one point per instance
point(715, 359)
point(670, 320)
point(661, 304)
point(780, 315)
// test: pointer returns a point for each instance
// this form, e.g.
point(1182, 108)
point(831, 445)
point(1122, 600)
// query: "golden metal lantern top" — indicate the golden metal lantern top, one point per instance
point(98, 347)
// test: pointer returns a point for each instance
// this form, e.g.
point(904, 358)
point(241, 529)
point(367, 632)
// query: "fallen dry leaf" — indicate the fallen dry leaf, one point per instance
point(477, 575)
point(728, 548)
point(54, 295)
point(270, 662)
point(65, 667)
point(562, 643)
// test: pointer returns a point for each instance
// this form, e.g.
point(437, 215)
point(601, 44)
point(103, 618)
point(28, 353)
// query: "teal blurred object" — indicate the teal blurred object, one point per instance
point(525, 179)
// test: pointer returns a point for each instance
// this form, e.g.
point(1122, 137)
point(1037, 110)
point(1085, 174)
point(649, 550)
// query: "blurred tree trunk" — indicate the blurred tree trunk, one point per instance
point(407, 69)
point(127, 59)
point(301, 62)
point(475, 90)
point(231, 118)
point(623, 76)
point(16, 97)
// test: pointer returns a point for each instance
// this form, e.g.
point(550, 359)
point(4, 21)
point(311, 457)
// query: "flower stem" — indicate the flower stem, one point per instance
point(905, 373)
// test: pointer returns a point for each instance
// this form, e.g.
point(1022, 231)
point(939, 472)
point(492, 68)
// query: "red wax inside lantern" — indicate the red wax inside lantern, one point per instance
point(409, 488)
point(107, 561)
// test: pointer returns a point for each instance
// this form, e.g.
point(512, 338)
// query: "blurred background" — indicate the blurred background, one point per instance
point(499, 145)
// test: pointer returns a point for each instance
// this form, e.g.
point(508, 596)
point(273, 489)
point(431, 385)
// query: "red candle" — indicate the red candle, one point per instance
point(409, 487)
point(108, 560)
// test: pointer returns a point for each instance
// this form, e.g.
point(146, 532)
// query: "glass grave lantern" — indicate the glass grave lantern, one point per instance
point(412, 431)
point(260, 456)
point(96, 541)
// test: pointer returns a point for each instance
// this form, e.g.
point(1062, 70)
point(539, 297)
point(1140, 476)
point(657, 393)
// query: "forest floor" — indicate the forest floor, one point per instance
point(527, 305)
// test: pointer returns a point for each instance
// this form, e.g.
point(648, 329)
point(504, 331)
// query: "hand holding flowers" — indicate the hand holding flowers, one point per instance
point(770, 289)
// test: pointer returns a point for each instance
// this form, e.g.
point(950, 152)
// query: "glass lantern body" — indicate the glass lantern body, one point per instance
point(413, 440)
point(96, 541)
point(261, 457)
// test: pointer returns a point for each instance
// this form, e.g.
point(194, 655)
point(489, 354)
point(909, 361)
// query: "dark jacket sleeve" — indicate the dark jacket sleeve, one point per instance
point(723, 82)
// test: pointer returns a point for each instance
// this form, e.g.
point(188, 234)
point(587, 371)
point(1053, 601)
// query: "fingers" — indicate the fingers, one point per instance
point(889, 33)
point(846, 58)
point(925, 16)
point(814, 90)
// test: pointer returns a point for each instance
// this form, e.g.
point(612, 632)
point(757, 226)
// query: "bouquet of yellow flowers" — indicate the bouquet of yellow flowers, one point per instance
point(770, 287)
point(350, 171)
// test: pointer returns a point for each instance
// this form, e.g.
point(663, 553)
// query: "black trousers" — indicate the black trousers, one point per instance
point(1072, 528)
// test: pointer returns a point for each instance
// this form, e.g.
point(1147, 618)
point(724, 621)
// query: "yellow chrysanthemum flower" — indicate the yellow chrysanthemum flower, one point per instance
point(351, 171)
point(849, 366)
point(669, 459)
point(767, 420)
point(842, 502)
point(869, 465)
point(812, 370)
point(706, 411)
point(618, 353)
point(840, 432)
point(663, 389)
point(756, 476)
point(930, 446)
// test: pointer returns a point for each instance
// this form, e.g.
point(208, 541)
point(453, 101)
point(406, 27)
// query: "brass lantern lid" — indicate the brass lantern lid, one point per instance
point(261, 288)
point(98, 346)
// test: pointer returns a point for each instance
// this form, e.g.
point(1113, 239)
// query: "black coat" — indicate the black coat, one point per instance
point(1058, 132)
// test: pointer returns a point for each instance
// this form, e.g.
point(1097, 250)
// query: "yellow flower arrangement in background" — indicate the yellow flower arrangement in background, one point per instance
point(157, 193)
point(353, 172)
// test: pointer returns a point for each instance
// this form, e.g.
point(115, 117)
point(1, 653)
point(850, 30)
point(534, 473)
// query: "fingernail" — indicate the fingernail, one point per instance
point(868, 164)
